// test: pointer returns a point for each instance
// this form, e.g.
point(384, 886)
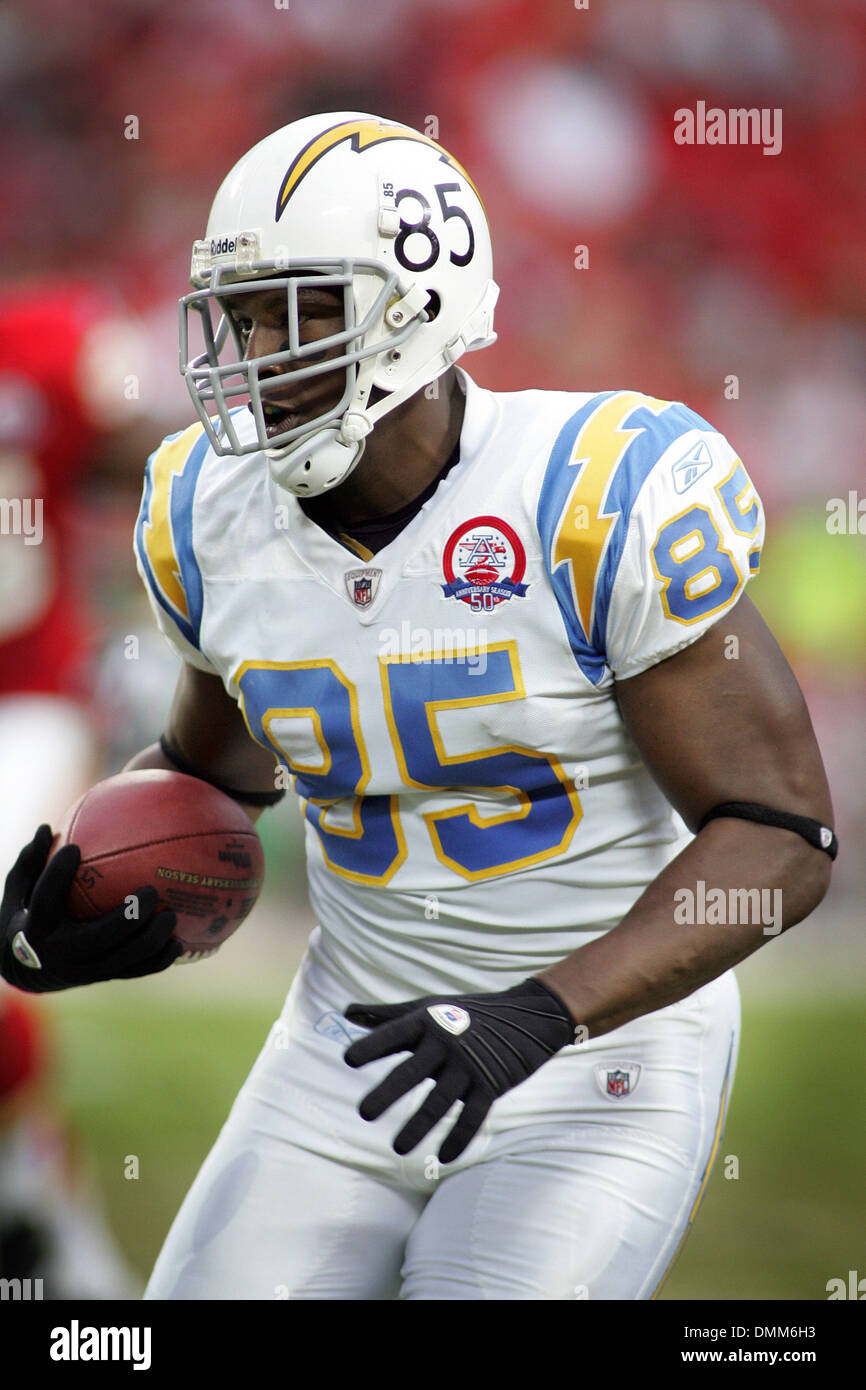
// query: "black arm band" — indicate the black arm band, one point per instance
point(251, 798)
point(821, 836)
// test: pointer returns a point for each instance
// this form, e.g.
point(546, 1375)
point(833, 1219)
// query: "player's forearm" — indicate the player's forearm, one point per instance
point(153, 757)
point(654, 958)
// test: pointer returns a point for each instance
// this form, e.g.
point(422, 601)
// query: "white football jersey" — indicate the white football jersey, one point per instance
point(445, 708)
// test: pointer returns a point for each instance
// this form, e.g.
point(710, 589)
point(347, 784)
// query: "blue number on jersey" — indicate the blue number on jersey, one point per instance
point(700, 573)
point(734, 491)
point(371, 848)
point(415, 691)
point(477, 847)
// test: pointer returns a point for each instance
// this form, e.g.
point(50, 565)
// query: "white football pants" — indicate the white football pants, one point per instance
point(582, 1183)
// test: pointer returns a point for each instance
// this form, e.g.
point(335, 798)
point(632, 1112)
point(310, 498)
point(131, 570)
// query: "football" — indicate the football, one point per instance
point(180, 835)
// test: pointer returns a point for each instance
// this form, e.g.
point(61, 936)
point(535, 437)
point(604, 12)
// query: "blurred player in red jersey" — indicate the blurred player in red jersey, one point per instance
point(69, 359)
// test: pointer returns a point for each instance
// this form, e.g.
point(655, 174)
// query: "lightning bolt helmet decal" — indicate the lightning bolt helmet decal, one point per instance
point(360, 134)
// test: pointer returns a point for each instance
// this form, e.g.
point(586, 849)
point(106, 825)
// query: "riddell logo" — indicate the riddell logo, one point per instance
point(223, 247)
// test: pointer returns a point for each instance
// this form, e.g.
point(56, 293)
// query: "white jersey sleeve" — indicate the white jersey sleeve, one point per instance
point(651, 528)
point(163, 544)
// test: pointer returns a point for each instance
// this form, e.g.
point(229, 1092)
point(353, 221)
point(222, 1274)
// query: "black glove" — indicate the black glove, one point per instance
point(477, 1046)
point(43, 948)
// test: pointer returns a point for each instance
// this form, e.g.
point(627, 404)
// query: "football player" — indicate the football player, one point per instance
point(557, 776)
point(63, 421)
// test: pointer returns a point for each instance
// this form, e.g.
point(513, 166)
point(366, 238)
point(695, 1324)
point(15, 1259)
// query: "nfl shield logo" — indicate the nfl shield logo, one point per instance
point(617, 1082)
point(363, 586)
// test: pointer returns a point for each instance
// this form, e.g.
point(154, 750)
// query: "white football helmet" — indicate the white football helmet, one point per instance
point(349, 201)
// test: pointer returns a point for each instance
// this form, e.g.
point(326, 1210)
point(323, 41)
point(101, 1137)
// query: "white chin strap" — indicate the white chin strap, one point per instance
point(322, 460)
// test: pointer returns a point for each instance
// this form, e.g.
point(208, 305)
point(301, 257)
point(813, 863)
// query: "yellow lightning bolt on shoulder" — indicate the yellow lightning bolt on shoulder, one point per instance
point(361, 134)
point(582, 533)
point(157, 537)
